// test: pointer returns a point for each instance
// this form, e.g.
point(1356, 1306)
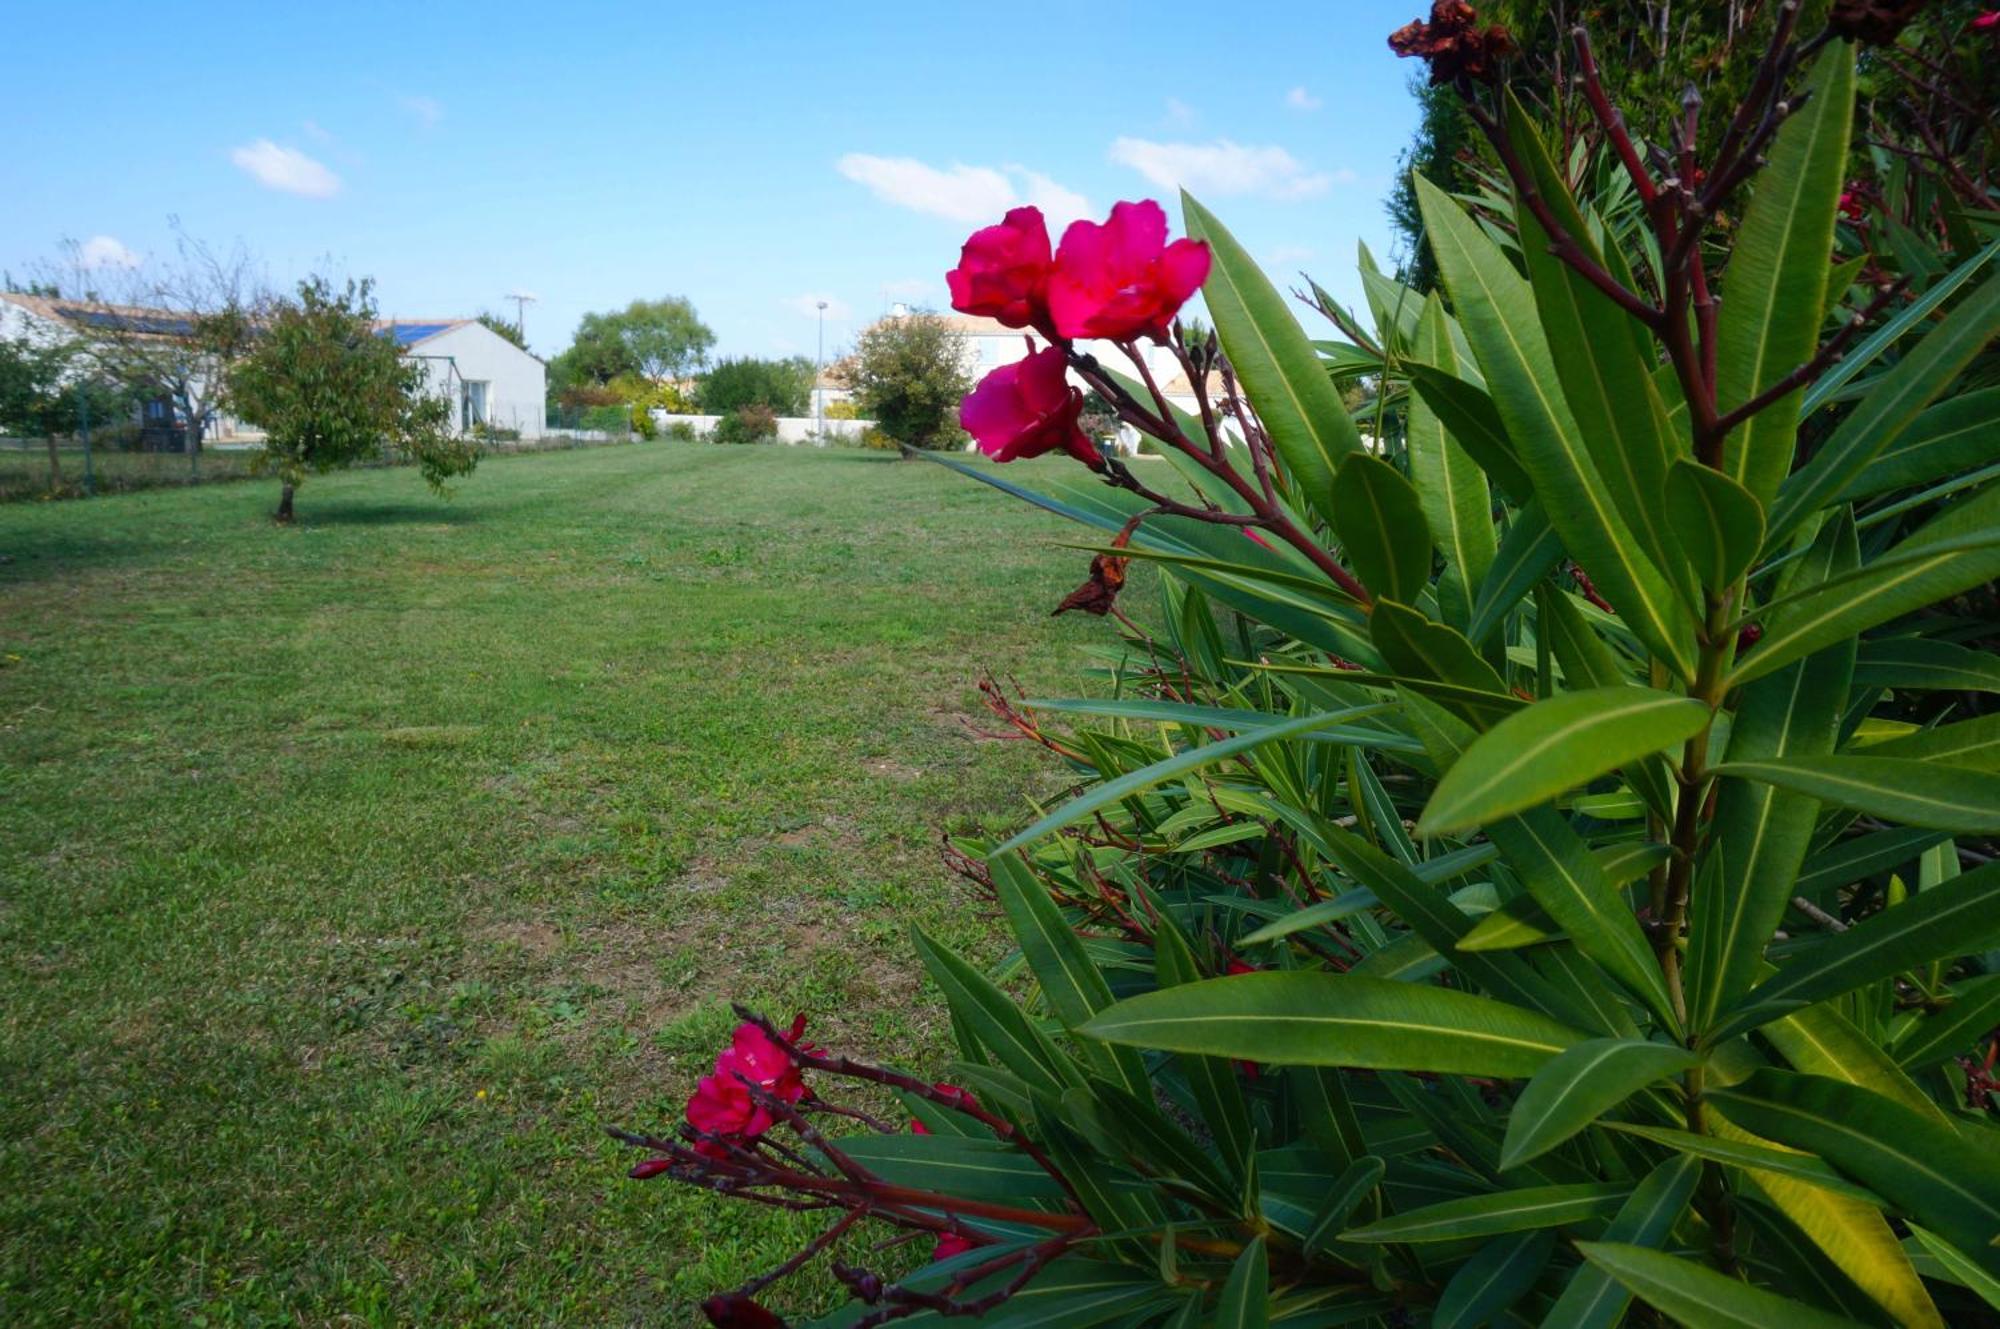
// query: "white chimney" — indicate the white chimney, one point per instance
point(899, 310)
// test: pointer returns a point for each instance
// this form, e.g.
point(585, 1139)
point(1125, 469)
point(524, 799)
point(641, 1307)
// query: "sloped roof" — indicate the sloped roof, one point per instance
point(974, 325)
point(102, 317)
point(1178, 386)
point(407, 332)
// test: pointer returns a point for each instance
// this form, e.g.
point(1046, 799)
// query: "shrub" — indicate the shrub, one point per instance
point(842, 410)
point(610, 418)
point(909, 374)
point(782, 387)
point(682, 431)
point(1548, 865)
point(747, 424)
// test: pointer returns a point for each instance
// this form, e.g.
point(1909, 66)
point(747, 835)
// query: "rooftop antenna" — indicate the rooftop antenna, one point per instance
point(522, 299)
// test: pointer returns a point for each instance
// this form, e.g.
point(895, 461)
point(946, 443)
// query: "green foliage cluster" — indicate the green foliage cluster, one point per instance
point(662, 339)
point(47, 389)
point(909, 376)
point(1549, 875)
point(503, 327)
point(781, 386)
point(1927, 140)
point(329, 391)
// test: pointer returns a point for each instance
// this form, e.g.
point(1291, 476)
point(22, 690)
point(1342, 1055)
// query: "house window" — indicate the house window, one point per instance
point(472, 405)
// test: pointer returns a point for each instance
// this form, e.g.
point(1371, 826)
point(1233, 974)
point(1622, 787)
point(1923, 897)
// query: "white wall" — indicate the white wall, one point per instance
point(16, 322)
point(517, 383)
point(988, 351)
point(791, 428)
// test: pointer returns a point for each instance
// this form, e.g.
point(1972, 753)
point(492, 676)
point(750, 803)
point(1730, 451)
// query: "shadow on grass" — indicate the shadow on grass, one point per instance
point(335, 512)
point(877, 456)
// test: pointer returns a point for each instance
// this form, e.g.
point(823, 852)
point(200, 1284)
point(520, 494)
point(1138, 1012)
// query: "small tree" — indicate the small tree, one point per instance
point(329, 391)
point(783, 386)
point(909, 374)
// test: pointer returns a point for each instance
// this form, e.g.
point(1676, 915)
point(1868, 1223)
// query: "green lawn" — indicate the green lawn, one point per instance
point(353, 877)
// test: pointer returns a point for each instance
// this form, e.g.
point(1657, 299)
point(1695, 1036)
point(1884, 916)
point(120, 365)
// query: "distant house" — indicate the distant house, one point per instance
point(46, 320)
point(989, 343)
point(489, 380)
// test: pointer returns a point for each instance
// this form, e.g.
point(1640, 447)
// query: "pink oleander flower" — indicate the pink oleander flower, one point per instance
point(1026, 409)
point(1987, 22)
point(722, 1103)
point(1003, 271)
point(948, 1245)
point(1236, 964)
point(1122, 279)
point(1852, 205)
point(952, 1090)
point(733, 1310)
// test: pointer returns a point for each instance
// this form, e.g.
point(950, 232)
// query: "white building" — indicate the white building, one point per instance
point(488, 379)
point(491, 381)
point(46, 321)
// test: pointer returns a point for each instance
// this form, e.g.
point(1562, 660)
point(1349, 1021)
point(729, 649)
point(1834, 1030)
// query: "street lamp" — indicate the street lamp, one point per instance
point(819, 396)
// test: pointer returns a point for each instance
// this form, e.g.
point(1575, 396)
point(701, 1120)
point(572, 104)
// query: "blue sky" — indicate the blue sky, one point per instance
point(753, 157)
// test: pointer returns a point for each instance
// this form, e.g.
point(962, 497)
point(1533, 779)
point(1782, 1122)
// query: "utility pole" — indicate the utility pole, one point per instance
point(521, 299)
point(819, 397)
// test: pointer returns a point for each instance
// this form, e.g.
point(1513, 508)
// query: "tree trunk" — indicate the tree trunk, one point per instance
point(284, 513)
point(55, 468)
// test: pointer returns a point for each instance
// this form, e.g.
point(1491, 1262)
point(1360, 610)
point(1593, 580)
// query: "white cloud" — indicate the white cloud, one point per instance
point(808, 304)
point(1284, 255)
point(427, 110)
point(286, 170)
point(105, 251)
point(1221, 168)
point(909, 287)
point(1180, 115)
point(1059, 206)
point(962, 193)
point(1301, 100)
point(316, 132)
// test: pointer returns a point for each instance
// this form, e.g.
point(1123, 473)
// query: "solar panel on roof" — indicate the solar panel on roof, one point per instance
point(408, 333)
point(154, 325)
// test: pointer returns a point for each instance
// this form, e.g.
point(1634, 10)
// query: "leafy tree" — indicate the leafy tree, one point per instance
point(504, 327)
point(909, 374)
point(329, 392)
point(173, 328)
point(33, 402)
point(1442, 138)
point(48, 389)
point(784, 386)
point(657, 339)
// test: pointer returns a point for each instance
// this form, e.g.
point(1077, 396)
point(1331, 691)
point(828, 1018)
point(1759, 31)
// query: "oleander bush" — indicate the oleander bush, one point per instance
point(746, 424)
point(1536, 869)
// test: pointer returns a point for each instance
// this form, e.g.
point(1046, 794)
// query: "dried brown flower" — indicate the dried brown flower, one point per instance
point(1454, 44)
